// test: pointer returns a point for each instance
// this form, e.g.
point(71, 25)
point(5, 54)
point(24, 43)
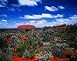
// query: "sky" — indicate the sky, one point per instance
point(39, 13)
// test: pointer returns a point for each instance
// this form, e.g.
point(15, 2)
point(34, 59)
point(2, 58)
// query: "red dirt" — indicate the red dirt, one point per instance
point(59, 59)
point(16, 58)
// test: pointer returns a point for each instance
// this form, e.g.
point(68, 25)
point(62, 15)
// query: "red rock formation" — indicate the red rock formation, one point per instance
point(26, 26)
point(63, 28)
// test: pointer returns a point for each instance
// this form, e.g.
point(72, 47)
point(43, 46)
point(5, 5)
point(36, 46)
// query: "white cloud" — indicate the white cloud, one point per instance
point(61, 7)
point(58, 15)
point(44, 15)
point(20, 23)
point(1, 5)
point(69, 20)
point(73, 19)
point(3, 23)
point(52, 8)
point(59, 21)
point(15, 24)
point(3, 0)
point(41, 16)
point(12, 9)
point(41, 23)
point(62, 21)
point(32, 17)
point(3, 15)
point(56, 22)
point(4, 20)
point(39, 1)
point(29, 2)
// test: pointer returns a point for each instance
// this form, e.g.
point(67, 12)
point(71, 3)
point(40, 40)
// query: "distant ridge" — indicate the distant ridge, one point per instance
point(26, 26)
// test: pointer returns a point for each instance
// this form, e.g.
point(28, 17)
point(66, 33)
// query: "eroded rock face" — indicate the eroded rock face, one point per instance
point(26, 26)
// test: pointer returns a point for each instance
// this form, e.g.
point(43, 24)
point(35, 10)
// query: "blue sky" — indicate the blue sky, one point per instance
point(37, 12)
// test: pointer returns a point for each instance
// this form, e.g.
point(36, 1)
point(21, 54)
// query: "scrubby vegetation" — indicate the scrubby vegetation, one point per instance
point(59, 41)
